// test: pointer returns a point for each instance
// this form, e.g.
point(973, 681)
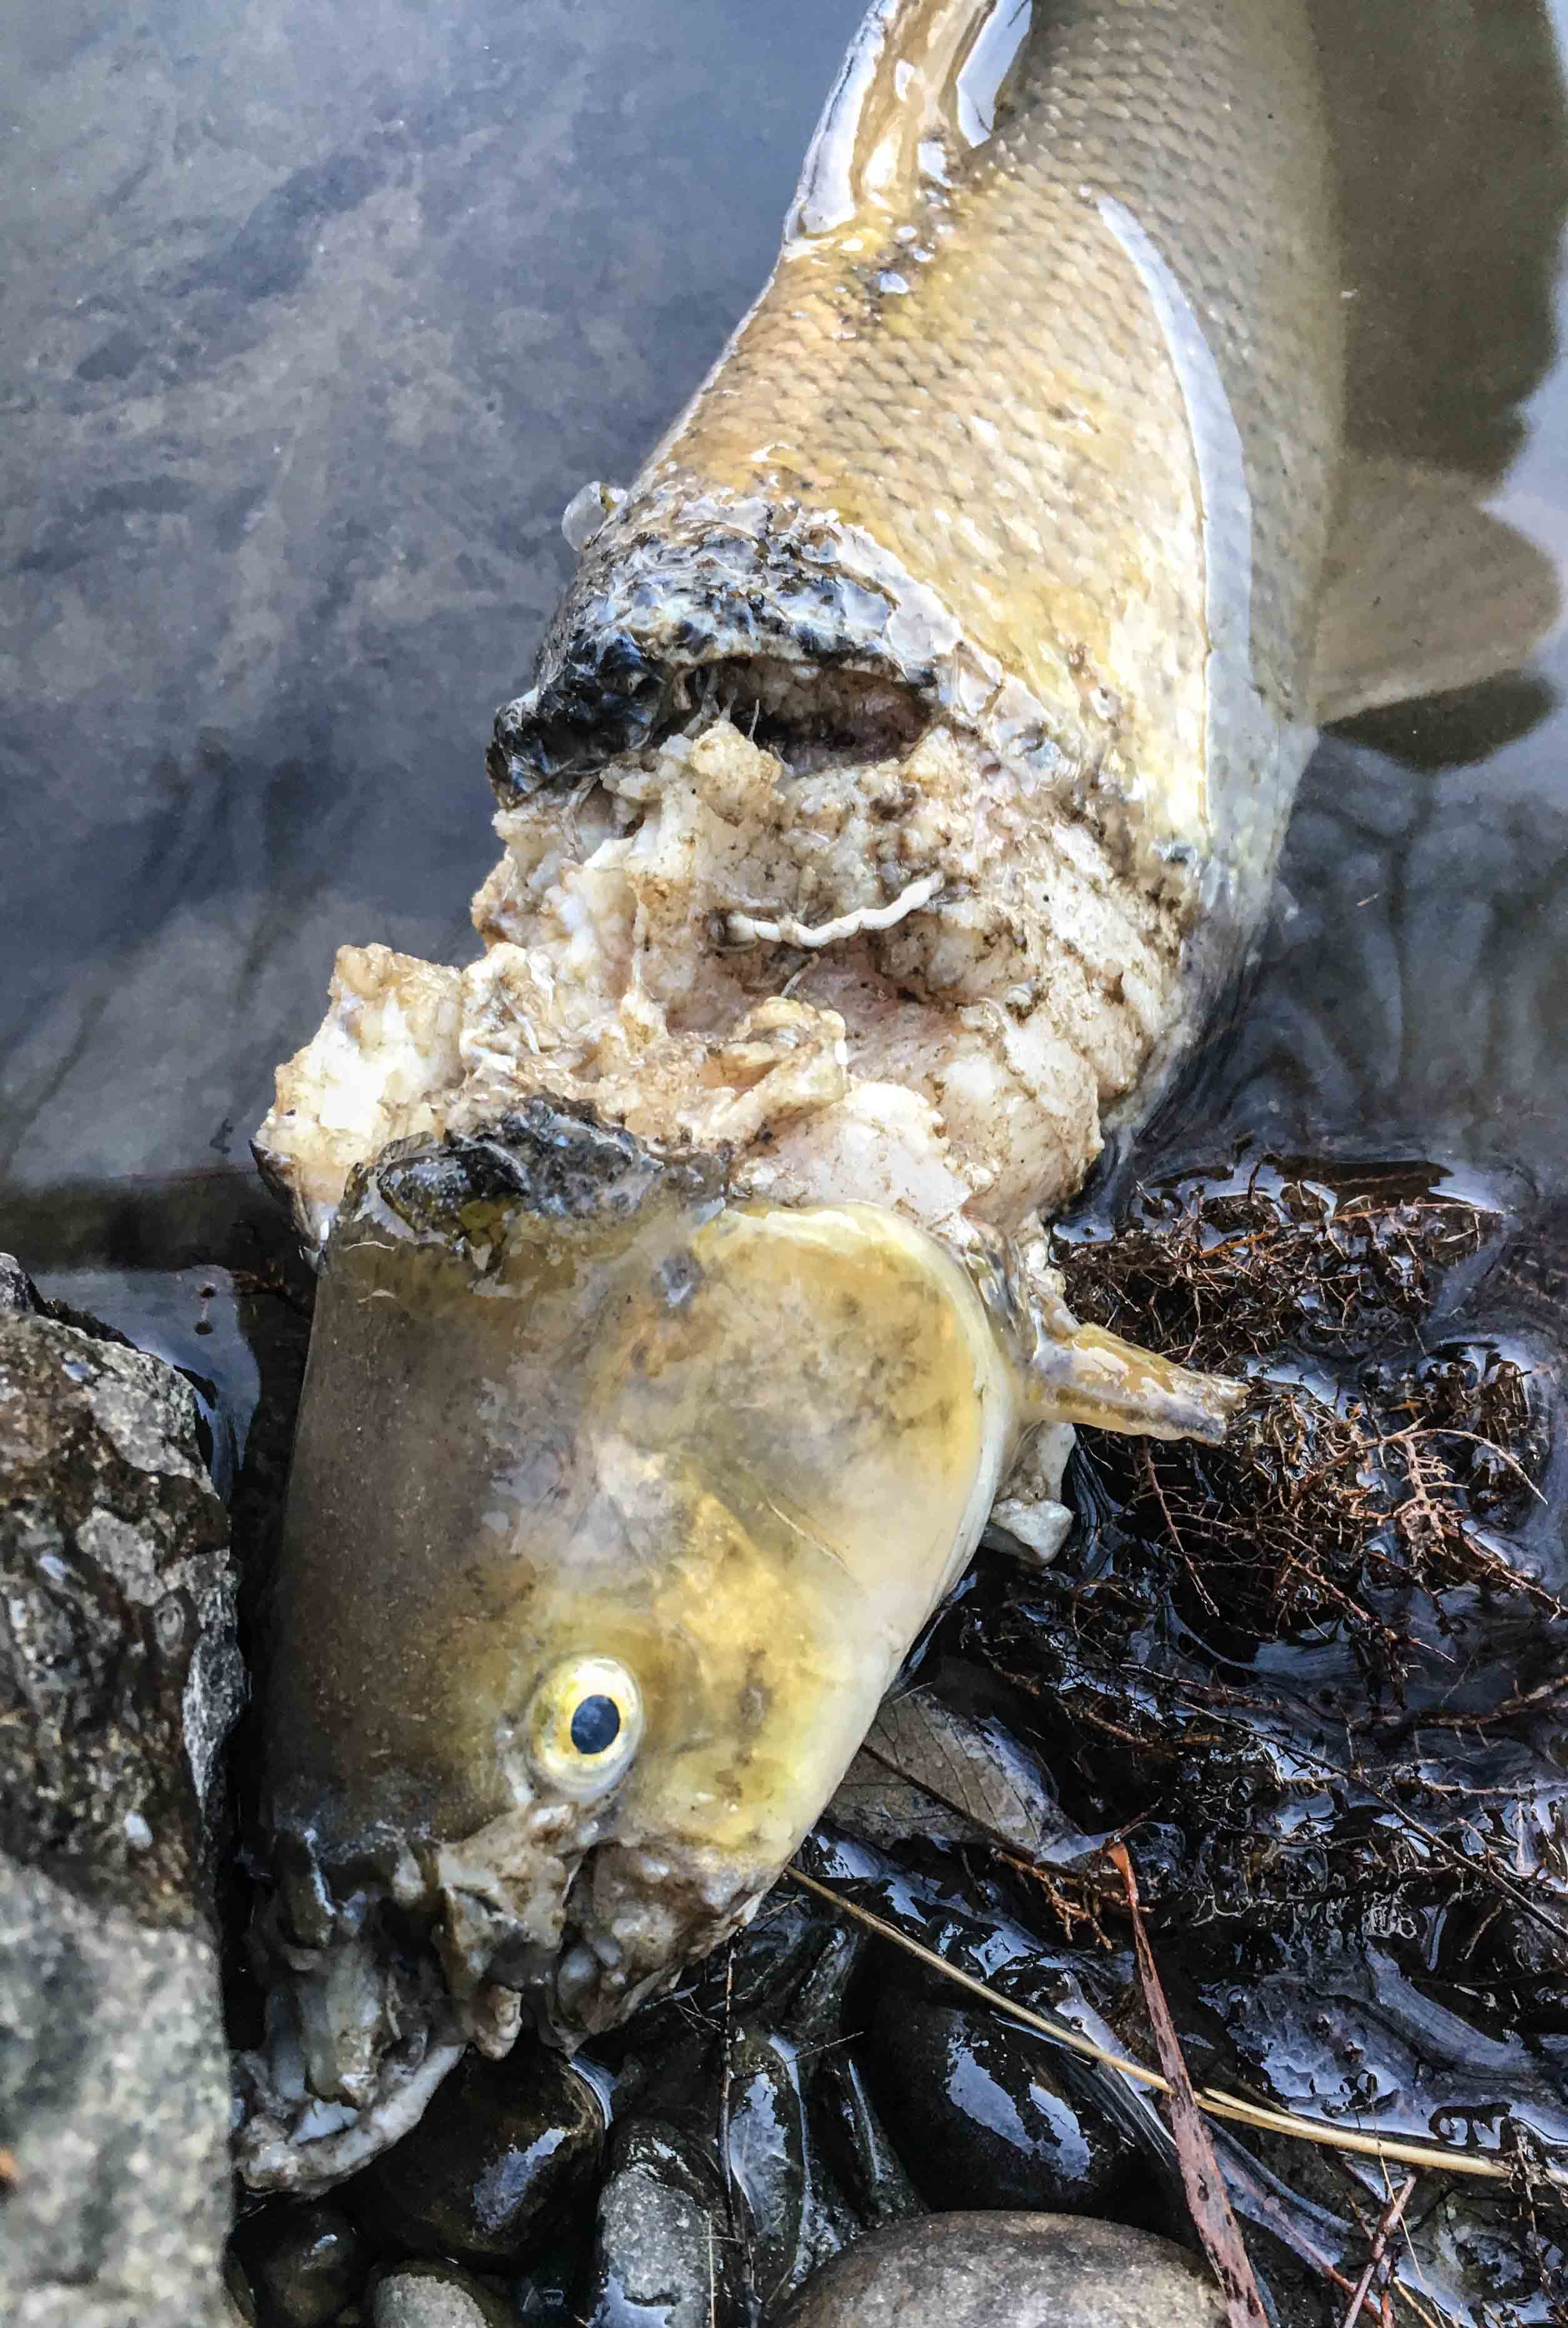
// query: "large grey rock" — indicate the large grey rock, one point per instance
point(119, 1677)
point(114, 2103)
point(1000, 2270)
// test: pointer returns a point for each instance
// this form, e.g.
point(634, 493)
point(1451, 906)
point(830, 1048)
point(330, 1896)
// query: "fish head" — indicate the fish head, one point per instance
point(615, 1507)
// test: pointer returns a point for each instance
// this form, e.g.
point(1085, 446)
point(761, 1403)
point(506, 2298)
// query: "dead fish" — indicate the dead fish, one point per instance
point(900, 785)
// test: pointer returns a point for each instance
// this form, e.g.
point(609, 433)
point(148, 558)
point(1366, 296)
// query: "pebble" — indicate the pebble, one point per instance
point(436, 2295)
point(796, 2213)
point(857, 2145)
point(1009, 2270)
point(980, 2118)
point(302, 2263)
point(661, 2244)
point(505, 2154)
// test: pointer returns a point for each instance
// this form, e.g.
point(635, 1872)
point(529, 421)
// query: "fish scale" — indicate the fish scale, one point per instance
point(1014, 428)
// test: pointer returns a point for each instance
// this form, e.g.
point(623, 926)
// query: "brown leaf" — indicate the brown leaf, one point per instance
point(927, 1769)
point(1201, 2178)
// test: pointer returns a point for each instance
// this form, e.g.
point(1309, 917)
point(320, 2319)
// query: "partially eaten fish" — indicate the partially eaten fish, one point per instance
point(900, 787)
point(616, 1506)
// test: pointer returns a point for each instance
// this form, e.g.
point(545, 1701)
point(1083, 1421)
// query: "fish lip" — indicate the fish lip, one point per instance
point(273, 2152)
point(638, 1915)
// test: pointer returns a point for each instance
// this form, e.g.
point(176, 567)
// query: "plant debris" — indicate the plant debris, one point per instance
point(1331, 1503)
point(1316, 1681)
point(1328, 1259)
point(1201, 2178)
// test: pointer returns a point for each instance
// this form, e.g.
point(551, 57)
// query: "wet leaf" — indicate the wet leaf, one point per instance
point(927, 1769)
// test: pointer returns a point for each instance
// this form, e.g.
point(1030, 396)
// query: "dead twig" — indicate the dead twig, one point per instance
point(1396, 2151)
point(1387, 2224)
point(1207, 2199)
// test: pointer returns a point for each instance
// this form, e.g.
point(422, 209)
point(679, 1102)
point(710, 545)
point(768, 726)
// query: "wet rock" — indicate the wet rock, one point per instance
point(545, 2296)
point(662, 2247)
point(1002, 2270)
point(438, 2295)
point(979, 2115)
point(18, 1293)
point(796, 2216)
point(238, 2298)
point(501, 2160)
point(118, 1678)
point(120, 1675)
point(857, 2144)
point(302, 2263)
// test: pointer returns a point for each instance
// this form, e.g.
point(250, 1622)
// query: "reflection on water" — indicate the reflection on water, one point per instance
point(315, 318)
point(1413, 983)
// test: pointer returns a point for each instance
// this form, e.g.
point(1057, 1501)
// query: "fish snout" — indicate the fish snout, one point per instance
point(636, 1916)
point(377, 1982)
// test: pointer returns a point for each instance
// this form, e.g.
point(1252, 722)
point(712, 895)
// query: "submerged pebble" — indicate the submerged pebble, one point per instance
point(795, 2214)
point(857, 2144)
point(979, 2117)
point(302, 2263)
point(1024, 2270)
point(503, 2157)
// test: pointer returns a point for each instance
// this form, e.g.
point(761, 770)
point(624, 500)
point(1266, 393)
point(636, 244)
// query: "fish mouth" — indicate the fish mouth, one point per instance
point(638, 1915)
point(361, 2028)
point(358, 2035)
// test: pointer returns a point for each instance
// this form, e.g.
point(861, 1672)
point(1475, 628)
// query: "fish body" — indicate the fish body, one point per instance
point(901, 781)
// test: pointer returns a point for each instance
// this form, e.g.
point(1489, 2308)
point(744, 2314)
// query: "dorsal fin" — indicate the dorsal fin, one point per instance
point(1424, 590)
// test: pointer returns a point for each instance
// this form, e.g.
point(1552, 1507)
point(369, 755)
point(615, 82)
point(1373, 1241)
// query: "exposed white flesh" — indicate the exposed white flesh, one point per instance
point(898, 981)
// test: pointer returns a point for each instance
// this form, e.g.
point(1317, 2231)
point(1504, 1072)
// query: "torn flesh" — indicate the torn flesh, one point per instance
point(905, 980)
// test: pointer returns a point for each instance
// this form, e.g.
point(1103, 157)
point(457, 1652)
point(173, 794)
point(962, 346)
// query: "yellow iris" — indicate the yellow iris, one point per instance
point(585, 1724)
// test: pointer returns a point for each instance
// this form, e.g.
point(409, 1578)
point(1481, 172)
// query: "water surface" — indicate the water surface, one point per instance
point(315, 318)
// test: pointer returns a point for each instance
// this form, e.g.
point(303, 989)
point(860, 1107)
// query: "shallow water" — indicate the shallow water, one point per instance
point(316, 319)
point(314, 325)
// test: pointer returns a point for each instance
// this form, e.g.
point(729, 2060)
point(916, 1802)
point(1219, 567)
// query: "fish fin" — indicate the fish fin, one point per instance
point(1086, 1374)
point(1424, 590)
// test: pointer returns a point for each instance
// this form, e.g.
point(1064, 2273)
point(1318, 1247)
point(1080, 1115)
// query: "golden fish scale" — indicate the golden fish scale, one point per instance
point(1014, 428)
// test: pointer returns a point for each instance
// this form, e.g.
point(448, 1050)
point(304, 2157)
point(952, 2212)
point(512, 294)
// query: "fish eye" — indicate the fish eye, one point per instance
point(585, 1724)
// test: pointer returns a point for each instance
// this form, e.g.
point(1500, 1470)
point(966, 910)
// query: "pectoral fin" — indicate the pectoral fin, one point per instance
point(1094, 1376)
point(1425, 591)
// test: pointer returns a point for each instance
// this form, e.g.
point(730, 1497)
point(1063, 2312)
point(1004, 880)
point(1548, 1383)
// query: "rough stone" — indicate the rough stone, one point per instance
point(978, 2116)
point(118, 1678)
point(114, 2103)
point(660, 2245)
point(119, 1674)
point(436, 2295)
point(501, 2159)
point(1005, 2270)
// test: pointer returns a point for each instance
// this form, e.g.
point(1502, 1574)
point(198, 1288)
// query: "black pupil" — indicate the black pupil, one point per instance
point(594, 1725)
